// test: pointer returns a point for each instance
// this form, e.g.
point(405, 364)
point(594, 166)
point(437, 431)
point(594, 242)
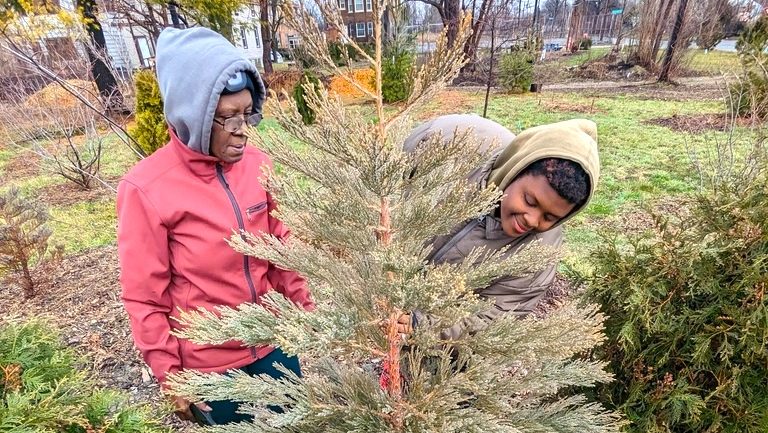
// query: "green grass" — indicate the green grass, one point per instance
point(712, 62)
point(580, 57)
point(84, 225)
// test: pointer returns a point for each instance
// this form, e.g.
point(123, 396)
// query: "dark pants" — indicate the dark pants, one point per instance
point(225, 411)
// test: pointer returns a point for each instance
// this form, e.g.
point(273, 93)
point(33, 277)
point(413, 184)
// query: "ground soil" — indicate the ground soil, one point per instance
point(81, 299)
point(699, 123)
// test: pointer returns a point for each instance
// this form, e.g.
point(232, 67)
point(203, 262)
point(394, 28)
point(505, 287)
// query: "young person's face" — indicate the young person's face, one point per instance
point(230, 146)
point(531, 204)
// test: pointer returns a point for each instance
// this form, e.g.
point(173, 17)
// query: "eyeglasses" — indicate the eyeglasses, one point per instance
point(234, 123)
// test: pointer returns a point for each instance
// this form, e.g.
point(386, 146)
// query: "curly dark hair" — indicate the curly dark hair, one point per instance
point(566, 177)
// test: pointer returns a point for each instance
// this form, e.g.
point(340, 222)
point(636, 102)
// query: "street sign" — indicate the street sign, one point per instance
point(617, 11)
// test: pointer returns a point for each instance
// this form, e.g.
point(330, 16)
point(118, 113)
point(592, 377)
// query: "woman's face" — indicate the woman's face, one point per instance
point(531, 204)
point(230, 146)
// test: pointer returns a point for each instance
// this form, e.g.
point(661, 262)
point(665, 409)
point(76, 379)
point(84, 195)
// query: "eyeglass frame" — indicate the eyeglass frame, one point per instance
point(243, 120)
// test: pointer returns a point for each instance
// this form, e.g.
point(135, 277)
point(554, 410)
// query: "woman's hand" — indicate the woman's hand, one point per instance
point(182, 410)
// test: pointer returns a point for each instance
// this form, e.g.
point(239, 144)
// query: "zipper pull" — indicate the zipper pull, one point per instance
point(220, 173)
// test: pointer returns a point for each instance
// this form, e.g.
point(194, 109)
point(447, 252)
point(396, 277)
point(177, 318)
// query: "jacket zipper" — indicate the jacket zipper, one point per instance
point(241, 226)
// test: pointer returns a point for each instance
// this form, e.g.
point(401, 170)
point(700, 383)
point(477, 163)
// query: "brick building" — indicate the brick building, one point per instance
point(358, 16)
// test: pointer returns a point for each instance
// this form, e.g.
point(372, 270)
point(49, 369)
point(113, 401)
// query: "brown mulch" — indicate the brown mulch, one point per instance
point(569, 107)
point(24, 166)
point(81, 299)
point(698, 122)
point(685, 89)
point(454, 99)
point(559, 292)
point(66, 194)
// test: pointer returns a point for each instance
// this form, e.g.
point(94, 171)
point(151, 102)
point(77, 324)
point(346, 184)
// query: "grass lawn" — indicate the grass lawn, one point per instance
point(712, 62)
point(641, 163)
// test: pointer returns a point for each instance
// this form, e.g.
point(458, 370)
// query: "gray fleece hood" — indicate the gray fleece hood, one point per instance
point(193, 66)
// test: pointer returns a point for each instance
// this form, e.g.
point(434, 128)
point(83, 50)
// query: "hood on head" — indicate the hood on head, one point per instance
point(574, 140)
point(193, 67)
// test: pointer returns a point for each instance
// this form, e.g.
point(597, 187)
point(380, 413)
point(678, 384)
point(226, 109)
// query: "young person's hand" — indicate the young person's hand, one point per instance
point(182, 410)
point(404, 325)
point(404, 328)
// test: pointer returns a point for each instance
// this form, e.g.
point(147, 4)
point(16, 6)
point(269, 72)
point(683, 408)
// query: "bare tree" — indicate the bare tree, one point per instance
point(65, 136)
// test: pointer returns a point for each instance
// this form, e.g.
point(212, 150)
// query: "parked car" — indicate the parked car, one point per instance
point(553, 47)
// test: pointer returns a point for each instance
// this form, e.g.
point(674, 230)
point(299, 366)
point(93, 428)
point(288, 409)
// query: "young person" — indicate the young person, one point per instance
point(547, 173)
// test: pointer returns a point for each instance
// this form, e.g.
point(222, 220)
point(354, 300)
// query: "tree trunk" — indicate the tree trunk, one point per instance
point(102, 75)
point(490, 67)
point(574, 29)
point(470, 47)
point(673, 41)
point(172, 9)
point(659, 35)
point(451, 12)
point(266, 37)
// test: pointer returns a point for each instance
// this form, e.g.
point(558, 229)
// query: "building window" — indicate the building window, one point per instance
point(351, 29)
point(342, 4)
point(243, 38)
point(144, 50)
point(293, 41)
point(257, 37)
point(370, 28)
point(360, 30)
point(359, 6)
point(368, 5)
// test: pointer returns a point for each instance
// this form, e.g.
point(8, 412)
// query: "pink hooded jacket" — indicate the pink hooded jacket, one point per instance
point(175, 208)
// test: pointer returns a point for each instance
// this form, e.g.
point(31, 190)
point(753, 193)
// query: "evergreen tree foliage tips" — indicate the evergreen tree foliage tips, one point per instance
point(42, 391)
point(362, 211)
point(308, 83)
point(23, 239)
point(397, 75)
point(749, 95)
point(688, 313)
point(151, 130)
point(516, 71)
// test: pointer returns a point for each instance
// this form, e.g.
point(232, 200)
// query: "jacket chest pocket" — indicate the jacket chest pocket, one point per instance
point(257, 211)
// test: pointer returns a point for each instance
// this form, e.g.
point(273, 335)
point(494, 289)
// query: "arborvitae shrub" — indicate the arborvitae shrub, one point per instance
point(23, 240)
point(688, 316)
point(42, 391)
point(300, 96)
point(515, 71)
point(397, 75)
point(151, 130)
point(585, 43)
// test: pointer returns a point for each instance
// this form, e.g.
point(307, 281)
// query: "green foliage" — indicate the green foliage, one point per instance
point(584, 44)
point(397, 74)
point(42, 391)
point(688, 314)
point(214, 14)
point(749, 96)
point(303, 58)
point(300, 95)
point(516, 71)
point(151, 131)
point(23, 238)
point(340, 52)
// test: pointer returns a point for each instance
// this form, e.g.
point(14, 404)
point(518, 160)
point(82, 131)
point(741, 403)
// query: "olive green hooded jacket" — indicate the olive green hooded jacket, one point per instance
point(575, 140)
